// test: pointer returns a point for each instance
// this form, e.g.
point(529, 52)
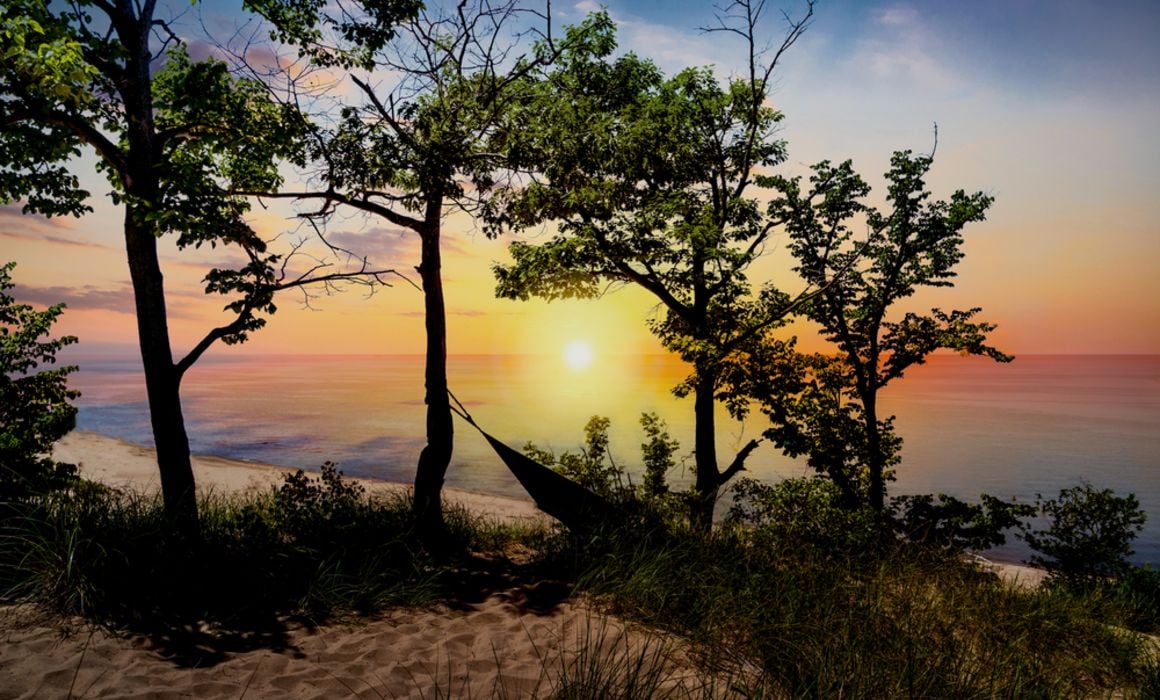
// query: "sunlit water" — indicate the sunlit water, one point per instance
point(970, 426)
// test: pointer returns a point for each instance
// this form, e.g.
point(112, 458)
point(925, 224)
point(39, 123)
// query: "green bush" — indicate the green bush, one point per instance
point(315, 547)
point(34, 405)
point(1089, 534)
point(806, 512)
point(955, 524)
point(594, 467)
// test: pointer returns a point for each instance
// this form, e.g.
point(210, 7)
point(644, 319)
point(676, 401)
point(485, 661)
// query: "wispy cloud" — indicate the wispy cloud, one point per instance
point(390, 247)
point(902, 47)
point(87, 297)
point(51, 238)
point(117, 299)
point(898, 16)
point(15, 225)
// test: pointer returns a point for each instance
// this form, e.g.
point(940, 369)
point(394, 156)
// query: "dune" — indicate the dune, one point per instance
point(493, 649)
point(504, 646)
point(499, 647)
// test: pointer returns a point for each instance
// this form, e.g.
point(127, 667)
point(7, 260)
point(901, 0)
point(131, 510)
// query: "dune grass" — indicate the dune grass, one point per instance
point(774, 612)
point(315, 551)
point(896, 621)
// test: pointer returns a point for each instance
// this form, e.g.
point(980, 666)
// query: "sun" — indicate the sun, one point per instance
point(578, 355)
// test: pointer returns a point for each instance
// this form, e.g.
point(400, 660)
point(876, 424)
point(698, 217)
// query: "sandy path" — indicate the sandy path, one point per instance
point(491, 650)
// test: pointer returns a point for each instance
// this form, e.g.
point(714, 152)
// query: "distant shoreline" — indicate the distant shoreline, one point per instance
point(105, 351)
point(122, 464)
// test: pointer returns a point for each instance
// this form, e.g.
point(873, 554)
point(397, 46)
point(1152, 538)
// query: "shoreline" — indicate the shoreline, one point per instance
point(122, 464)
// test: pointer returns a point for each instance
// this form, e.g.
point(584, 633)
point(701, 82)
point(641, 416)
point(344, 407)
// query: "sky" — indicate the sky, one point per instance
point(1051, 106)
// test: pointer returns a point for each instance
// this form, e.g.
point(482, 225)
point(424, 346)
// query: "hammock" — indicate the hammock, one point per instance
point(577, 507)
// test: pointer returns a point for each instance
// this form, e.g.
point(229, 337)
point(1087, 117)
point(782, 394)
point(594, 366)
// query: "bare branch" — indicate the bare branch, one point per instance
point(738, 464)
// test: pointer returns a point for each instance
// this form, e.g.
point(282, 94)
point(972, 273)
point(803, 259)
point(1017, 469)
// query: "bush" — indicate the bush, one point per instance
point(315, 547)
point(954, 524)
point(34, 406)
point(1089, 534)
point(809, 511)
point(594, 468)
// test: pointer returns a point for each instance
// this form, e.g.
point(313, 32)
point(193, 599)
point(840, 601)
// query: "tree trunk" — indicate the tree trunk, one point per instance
point(436, 455)
point(705, 450)
point(162, 381)
point(875, 463)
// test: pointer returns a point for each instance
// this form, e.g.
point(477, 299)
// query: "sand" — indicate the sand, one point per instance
point(124, 465)
point(504, 646)
point(494, 649)
point(500, 647)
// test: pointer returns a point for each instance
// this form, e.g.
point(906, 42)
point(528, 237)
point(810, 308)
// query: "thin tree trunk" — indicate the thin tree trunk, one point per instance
point(874, 447)
point(436, 455)
point(140, 180)
point(705, 450)
point(162, 381)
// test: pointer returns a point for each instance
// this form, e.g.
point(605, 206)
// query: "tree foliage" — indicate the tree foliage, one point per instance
point(175, 138)
point(650, 181)
point(1089, 533)
point(35, 408)
point(428, 141)
point(916, 243)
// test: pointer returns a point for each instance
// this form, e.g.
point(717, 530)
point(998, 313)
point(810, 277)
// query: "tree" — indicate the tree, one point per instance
point(651, 181)
point(835, 418)
point(170, 134)
point(34, 405)
point(416, 149)
point(1089, 533)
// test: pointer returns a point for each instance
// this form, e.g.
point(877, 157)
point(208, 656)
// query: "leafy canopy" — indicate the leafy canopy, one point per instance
point(647, 180)
point(69, 80)
point(35, 408)
point(833, 419)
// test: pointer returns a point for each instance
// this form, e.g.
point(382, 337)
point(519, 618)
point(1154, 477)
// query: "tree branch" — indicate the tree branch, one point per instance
point(738, 464)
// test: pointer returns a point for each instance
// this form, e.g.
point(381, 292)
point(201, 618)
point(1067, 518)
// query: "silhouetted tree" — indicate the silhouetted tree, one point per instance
point(653, 181)
point(426, 140)
point(1088, 536)
point(169, 133)
point(835, 420)
point(34, 403)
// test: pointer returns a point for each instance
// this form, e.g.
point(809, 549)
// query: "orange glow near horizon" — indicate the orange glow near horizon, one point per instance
point(1066, 262)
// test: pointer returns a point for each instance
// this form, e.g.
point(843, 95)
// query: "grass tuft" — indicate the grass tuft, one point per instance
point(766, 611)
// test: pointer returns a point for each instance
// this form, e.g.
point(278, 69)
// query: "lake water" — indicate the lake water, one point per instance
point(970, 426)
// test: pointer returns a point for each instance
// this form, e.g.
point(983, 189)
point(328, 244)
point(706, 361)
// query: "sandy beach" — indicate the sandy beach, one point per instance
point(122, 464)
point(493, 649)
point(500, 647)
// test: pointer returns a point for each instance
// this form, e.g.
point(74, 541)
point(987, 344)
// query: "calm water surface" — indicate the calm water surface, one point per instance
point(970, 426)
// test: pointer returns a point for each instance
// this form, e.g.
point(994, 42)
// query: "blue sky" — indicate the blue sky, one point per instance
point(1052, 107)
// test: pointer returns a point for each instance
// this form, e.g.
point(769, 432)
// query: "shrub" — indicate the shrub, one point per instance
point(595, 468)
point(1089, 533)
point(34, 406)
point(954, 524)
point(805, 511)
